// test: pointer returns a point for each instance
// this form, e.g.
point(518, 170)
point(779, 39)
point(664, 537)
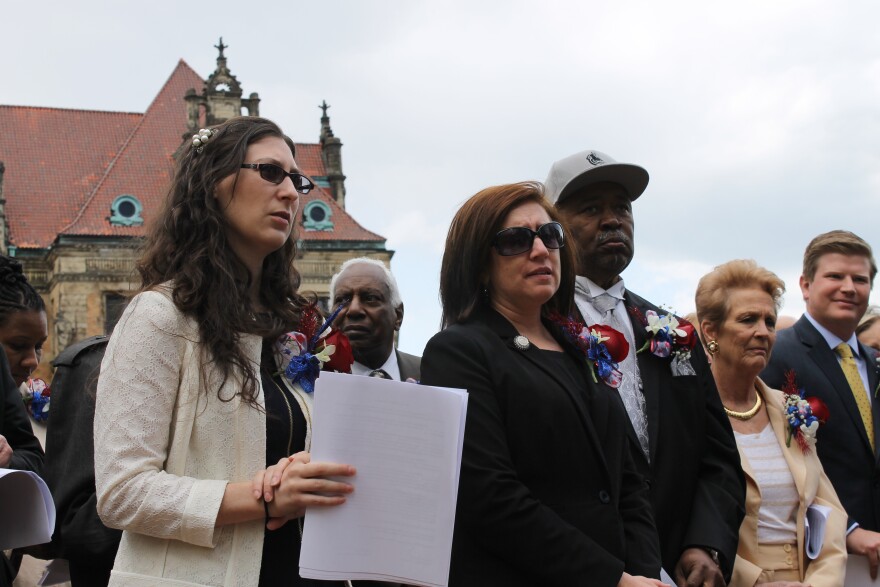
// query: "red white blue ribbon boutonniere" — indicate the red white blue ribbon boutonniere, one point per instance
point(37, 399)
point(603, 347)
point(669, 336)
point(305, 354)
point(804, 415)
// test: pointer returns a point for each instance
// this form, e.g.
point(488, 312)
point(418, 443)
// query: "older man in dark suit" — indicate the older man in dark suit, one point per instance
point(829, 362)
point(683, 443)
point(371, 318)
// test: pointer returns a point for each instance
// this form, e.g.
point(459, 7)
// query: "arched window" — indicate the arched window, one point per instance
point(126, 211)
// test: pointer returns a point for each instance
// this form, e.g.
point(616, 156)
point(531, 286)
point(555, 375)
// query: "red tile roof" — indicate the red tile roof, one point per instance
point(53, 159)
point(308, 157)
point(65, 167)
point(344, 226)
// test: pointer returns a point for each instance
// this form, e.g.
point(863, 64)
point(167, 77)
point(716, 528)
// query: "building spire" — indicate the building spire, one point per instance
point(331, 153)
point(220, 48)
point(221, 97)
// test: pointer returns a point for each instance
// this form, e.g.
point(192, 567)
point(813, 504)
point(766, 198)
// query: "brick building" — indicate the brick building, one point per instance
point(77, 188)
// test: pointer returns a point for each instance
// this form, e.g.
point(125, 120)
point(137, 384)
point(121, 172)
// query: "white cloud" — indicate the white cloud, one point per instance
point(757, 120)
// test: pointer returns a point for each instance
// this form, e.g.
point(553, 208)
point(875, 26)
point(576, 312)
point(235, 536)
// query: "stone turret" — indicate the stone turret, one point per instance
point(221, 98)
point(331, 153)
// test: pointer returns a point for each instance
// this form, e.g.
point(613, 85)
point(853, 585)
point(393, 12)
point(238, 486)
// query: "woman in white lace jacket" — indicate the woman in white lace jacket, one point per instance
point(191, 408)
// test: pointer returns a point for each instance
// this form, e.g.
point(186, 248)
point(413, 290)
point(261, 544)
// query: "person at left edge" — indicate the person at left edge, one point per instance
point(191, 406)
point(548, 491)
point(22, 333)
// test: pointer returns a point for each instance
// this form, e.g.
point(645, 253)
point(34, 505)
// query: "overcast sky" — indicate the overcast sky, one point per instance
point(758, 121)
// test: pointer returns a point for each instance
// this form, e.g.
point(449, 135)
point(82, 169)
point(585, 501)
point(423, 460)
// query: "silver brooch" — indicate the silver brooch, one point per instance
point(201, 139)
point(521, 342)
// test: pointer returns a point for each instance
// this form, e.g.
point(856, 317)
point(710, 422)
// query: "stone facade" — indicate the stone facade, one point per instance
point(86, 275)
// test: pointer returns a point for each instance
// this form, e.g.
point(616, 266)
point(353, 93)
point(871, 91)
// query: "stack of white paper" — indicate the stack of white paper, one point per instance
point(814, 529)
point(405, 441)
point(27, 513)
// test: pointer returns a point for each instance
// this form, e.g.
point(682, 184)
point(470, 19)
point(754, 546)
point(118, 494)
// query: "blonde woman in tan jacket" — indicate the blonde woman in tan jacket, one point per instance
point(737, 305)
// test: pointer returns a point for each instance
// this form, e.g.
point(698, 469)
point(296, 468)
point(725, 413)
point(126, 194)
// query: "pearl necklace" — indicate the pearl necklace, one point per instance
point(748, 414)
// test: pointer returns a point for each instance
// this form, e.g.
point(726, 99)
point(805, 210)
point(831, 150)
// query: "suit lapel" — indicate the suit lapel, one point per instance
point(825, 359)
point(649, 370)
point(404, 365)
point(579, 397)
point(873, 384)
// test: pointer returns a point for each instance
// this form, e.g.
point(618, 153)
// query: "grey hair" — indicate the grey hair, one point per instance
point(396, 302)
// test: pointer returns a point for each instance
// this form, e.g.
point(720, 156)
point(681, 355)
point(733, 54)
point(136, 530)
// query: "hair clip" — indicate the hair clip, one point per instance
point(201, 139)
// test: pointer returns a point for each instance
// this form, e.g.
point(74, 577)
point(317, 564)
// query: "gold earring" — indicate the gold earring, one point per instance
point(712, 347)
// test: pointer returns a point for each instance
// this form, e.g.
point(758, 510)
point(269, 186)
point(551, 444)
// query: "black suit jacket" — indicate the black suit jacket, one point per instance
point(842, 442)
point(409, 365)
point(548, 493)
point(88, 545)
point(697, 485)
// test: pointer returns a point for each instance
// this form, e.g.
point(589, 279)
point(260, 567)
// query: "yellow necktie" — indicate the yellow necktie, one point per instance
point(851, 371)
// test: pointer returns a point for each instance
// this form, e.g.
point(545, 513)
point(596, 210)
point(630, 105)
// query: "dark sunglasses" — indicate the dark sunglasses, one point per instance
point(275, 174)
point(519, 239)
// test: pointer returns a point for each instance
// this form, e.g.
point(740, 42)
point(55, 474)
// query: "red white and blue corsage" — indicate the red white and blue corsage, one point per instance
point(603, 346)
point(804, 415)
point(37, 399)
point(669, 336)
point(305, 354)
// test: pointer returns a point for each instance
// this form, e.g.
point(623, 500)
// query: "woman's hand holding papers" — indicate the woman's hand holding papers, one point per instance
point(295, 483)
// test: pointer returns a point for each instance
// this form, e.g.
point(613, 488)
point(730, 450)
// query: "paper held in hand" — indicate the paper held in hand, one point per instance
point(405, 441)
point(27, 513)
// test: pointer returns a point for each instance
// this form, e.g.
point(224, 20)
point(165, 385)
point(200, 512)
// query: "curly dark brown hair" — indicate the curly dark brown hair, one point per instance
point(187, 246)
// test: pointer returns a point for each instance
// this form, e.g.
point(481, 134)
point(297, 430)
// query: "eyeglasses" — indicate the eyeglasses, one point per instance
point(275, 174)
point(519, 239)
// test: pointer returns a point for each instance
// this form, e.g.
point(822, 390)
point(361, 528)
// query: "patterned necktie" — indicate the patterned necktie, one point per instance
point(380, 374)
point(630, 385)
point(851, 371)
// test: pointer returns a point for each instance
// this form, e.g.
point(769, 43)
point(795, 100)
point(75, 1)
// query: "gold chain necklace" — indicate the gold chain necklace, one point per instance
point(748, 414)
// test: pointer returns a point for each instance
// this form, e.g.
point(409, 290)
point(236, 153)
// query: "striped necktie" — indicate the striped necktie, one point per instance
point(380, 373)
point(851, 371)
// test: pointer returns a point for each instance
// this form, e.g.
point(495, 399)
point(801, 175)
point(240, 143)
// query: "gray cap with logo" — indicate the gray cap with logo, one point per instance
point(577, 171)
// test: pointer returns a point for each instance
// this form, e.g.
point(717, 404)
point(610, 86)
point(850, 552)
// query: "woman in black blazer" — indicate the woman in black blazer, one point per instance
point(548, 492)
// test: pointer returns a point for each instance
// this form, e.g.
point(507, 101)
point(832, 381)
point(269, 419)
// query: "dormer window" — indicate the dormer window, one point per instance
point(126, 211)
point(316, 216)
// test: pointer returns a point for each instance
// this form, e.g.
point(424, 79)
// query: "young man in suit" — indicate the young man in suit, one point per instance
point(371, 318)
point(828, 361)
point(681, 438)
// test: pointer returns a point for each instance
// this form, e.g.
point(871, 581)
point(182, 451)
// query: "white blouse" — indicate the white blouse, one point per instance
point(779, 495)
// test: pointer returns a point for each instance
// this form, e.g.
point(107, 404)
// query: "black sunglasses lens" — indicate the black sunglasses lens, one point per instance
point(551, 235)
point(513, 241)
point(302, 184)
point(272, 173)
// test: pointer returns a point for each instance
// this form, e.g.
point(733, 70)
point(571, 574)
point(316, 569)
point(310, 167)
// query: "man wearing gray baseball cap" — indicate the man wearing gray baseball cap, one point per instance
point(682, 441)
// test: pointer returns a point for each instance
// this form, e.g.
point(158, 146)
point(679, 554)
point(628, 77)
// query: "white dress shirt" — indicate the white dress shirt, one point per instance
point(833, 340)
point(390, 366)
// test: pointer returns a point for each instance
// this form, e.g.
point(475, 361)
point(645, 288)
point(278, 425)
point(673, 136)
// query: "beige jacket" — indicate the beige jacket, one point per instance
point(813, 487)
point(165, 448)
